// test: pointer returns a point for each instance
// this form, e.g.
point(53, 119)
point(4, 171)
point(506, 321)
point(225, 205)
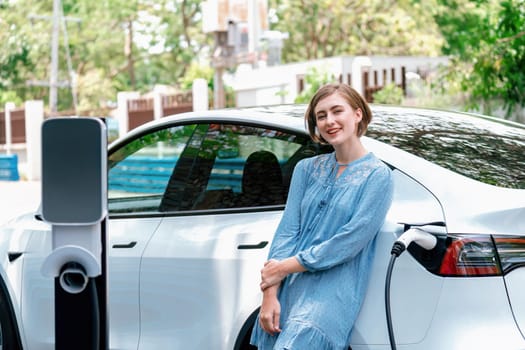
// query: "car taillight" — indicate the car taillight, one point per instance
point(471, 255)
point(511, 252)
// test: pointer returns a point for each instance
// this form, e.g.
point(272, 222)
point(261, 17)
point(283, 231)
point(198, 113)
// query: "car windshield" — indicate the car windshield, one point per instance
point(474, 146)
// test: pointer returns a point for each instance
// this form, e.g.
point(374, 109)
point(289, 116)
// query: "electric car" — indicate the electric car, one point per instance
point(195, 198)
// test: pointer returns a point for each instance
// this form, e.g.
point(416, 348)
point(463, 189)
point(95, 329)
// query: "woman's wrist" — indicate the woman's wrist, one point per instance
point(271, 291)
point(291, 265)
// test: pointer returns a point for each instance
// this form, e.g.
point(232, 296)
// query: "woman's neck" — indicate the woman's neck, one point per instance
point(346, 155)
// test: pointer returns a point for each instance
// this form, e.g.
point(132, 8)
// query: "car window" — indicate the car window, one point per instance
point(140, 170)
point(205, 167)
point(248, 169)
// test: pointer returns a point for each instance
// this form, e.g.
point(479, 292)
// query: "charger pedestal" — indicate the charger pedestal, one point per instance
point(74, 202)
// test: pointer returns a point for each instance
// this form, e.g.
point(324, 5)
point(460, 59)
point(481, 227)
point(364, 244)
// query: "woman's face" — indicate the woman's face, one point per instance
point(336, 120)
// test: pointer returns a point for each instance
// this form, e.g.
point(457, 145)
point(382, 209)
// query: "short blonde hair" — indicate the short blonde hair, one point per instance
point(351, 96)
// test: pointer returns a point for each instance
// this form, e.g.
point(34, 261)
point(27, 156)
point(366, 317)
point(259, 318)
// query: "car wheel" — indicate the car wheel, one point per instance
point(9, 337)
point(243, 341)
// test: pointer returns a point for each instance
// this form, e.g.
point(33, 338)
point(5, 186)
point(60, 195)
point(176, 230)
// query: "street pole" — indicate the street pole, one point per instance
point(52, 82)
point(53, 74)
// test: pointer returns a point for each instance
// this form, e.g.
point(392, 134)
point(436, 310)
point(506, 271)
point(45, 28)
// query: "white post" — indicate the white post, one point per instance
point(200, 95)
point(359, 63)
point(9, 106)
point(34, 114)
point(253, 26)
point(158, 111)
point(122, 110)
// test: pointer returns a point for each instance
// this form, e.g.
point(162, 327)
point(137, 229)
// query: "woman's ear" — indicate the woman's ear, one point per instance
point(358, 115)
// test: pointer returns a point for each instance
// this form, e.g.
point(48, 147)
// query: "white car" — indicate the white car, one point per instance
point(195, 198)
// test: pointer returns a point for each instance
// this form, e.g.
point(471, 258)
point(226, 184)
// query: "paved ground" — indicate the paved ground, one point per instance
point(18, 197)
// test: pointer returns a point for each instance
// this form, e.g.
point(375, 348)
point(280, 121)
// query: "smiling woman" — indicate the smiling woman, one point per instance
point(316, 276)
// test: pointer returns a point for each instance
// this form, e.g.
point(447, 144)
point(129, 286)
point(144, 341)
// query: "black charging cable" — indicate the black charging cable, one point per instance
point(95, 325)
point(423, 239)
point(397, 249)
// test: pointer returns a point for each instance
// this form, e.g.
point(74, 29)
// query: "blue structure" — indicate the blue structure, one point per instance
point(9, 167)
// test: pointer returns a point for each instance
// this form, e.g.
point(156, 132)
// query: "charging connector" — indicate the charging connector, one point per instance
point(423, 239)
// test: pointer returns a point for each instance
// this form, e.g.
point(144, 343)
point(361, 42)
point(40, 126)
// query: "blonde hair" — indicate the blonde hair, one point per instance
point(351, 96)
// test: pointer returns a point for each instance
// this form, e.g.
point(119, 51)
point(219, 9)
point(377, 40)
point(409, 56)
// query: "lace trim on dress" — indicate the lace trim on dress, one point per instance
point(324, 168)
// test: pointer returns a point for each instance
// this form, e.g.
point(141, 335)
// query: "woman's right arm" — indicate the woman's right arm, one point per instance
point(283, 246)
point(284, 240)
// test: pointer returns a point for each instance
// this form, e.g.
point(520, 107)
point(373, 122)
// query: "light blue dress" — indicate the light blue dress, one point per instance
point(329, 224)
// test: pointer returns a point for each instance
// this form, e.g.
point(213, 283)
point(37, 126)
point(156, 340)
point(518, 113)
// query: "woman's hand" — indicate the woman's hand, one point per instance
point(270, 311)
point(274, 271)
point(272, 274)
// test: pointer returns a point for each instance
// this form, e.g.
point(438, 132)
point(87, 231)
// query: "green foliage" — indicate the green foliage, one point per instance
point(314, 79)
point(93, 93)
point(15, 55)
point(9, 96)
point(133, 45)
point(389, 94)
point(197, 71)
point(126, 45)
point(376, 27)
point(487, 41)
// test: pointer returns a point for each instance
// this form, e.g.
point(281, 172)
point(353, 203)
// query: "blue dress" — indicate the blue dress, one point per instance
point(329, 224)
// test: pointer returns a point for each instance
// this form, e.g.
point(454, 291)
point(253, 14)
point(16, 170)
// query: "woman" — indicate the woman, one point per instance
point(316, 277)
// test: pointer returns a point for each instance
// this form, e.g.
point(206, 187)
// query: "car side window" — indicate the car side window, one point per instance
point(233, 166)
point(140, 170)
point(205, 167)
point(248, 167)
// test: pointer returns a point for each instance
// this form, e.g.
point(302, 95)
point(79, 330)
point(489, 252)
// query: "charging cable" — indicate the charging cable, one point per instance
point(423, 239)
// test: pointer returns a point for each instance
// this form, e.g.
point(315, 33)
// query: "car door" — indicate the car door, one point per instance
point(200, 271)
point(138, 175)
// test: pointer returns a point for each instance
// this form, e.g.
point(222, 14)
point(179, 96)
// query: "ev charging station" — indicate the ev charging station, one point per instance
point(74, 202)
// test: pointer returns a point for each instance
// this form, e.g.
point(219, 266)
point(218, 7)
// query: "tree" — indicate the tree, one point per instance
point(486, 39)
point(119, 45)
point(329, 28)
point(176, 40)
point(17, 60)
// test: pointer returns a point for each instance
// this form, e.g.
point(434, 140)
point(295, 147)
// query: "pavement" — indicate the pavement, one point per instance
point(18, 197)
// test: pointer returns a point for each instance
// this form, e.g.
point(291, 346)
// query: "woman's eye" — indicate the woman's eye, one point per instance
point(321, 117)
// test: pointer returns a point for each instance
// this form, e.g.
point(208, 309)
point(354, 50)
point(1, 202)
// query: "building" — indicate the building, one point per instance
point(282, 83)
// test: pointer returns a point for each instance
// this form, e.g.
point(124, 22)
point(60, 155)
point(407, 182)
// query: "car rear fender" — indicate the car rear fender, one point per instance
point(515, 284)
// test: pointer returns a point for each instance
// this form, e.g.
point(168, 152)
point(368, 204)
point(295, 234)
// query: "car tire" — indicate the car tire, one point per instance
point(243, 341)
point(9, 335)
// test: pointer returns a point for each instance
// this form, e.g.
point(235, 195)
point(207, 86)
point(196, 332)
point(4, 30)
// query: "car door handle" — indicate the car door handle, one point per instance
point(125, 246)
point(259, 245)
